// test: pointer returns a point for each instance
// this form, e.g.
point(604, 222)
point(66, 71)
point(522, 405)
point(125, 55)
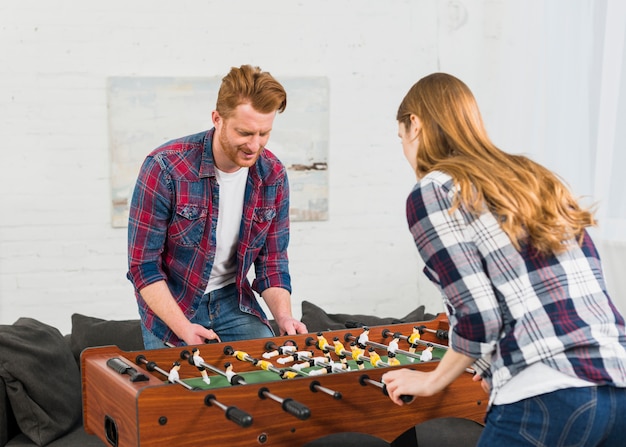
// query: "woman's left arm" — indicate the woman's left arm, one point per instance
point(401, 382)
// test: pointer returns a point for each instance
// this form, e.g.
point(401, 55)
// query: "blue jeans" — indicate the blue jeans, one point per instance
point(219, 310)
point(585, 417)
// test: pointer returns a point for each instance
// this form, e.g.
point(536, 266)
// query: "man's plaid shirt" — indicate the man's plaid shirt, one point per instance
point(173, 221)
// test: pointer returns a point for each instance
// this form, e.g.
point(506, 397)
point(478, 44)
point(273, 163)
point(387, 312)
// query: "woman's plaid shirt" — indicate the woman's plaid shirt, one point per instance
point(510, 308)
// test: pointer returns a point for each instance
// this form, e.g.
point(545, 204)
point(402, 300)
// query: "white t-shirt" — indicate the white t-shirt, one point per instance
point(232, 189)
point(535, 380)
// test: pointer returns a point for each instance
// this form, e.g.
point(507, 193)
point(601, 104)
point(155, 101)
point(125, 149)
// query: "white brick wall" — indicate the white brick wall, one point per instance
point(58, 252)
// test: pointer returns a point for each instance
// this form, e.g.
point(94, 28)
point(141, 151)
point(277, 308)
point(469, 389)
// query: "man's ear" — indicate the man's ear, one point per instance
point(216, 118)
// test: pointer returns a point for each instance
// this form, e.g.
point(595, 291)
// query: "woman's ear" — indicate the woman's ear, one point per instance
point(416, 125)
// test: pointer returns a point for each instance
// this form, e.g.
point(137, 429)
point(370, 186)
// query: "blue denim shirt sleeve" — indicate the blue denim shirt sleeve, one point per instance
point(271, 264)
point(145, 243)
point(166, 228)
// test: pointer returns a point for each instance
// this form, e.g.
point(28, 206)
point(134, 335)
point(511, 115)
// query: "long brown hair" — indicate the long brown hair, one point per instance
point(532, 204)
point(248, 84)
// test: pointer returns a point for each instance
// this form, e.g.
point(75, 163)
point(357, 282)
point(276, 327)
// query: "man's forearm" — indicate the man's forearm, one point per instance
point(278, 301)
point(160, 300)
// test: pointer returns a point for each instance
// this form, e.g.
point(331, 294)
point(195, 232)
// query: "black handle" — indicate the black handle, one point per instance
point(239, 416)
point(232, 413)
point(297, 409)
point(406, 398)
point(122, 367)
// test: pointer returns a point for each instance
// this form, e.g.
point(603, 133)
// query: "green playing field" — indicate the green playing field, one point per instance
point(261, 376)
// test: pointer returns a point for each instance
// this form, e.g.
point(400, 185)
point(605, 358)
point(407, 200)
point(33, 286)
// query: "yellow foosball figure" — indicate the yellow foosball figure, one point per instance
point(412, 339)
point(357, 354)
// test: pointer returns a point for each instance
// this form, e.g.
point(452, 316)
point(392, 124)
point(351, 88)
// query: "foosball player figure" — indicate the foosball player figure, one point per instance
point(392, 360)
point(323, 345)
point(364, 337)
point(263, 364)
point(375, 359)
point(393, 345)
point(308, 362)
point(173, 375)
point(328, 368)
point(232, 377)
point(427, 354)
point(340, 350)
point(357, 354)
point(240, 355)
point(298, 355)
point(281, 350)
point(412, 339)
point(323, 370)
point(287, 374)
point(198, 361)
point(228, 369)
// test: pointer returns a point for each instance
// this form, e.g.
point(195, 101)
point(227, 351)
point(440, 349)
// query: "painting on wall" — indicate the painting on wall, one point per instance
point(145, 112)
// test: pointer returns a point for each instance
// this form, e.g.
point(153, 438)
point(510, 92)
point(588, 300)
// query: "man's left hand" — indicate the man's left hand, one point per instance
point(291, 326)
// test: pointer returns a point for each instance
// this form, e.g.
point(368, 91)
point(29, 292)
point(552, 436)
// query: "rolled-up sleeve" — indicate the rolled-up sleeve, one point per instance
point(150, 211)
point(272, 263)
point(445, 241)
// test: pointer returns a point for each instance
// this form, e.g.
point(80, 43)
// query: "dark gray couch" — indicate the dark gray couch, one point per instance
point(40, 382)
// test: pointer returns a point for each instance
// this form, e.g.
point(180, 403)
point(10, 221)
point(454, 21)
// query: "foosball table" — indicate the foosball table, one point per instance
point(279, 391)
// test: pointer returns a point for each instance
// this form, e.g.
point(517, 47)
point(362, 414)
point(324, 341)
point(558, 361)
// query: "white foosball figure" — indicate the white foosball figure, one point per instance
point(282, 350)
point(393, 345)
point(229, 371)
point(364, 337)
point(427, 354)
point(198, 361)
point(173, 375)
point(297, 355)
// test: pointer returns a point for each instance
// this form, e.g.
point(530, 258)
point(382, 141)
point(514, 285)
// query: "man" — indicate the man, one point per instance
point(205, 208)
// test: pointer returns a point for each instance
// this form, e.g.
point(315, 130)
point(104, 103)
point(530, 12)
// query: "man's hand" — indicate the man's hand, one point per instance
point(162, 303)
point(291, 326)
point(279, 302)
point(196, 334)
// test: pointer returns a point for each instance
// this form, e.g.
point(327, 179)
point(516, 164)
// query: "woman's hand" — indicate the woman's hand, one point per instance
point(483, 383)
point(407, 382)
point(403, 382)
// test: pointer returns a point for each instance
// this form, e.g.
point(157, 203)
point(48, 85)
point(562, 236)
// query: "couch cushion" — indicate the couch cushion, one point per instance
point(316, 319)
point(4, 414)
point(447, 431)
point(76, 438)
point(42, 381)
point(347, 439)
point(90, 332)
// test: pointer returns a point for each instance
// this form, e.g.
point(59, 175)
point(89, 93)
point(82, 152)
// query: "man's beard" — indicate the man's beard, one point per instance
point(232, 152)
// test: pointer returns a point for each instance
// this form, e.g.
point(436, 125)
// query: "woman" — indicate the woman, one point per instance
point(521, 281)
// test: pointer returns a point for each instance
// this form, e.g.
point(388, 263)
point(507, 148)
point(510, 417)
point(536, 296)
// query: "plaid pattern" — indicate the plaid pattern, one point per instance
point(510, 308)
point(173, 220)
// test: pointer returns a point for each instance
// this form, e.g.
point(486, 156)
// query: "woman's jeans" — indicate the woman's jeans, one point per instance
point(219, 310)
point(585, 417)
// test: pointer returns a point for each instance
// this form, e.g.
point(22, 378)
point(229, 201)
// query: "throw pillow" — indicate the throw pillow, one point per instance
point(4, 414)
point(42, 381)
point(89, 332)
point(316, 319)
